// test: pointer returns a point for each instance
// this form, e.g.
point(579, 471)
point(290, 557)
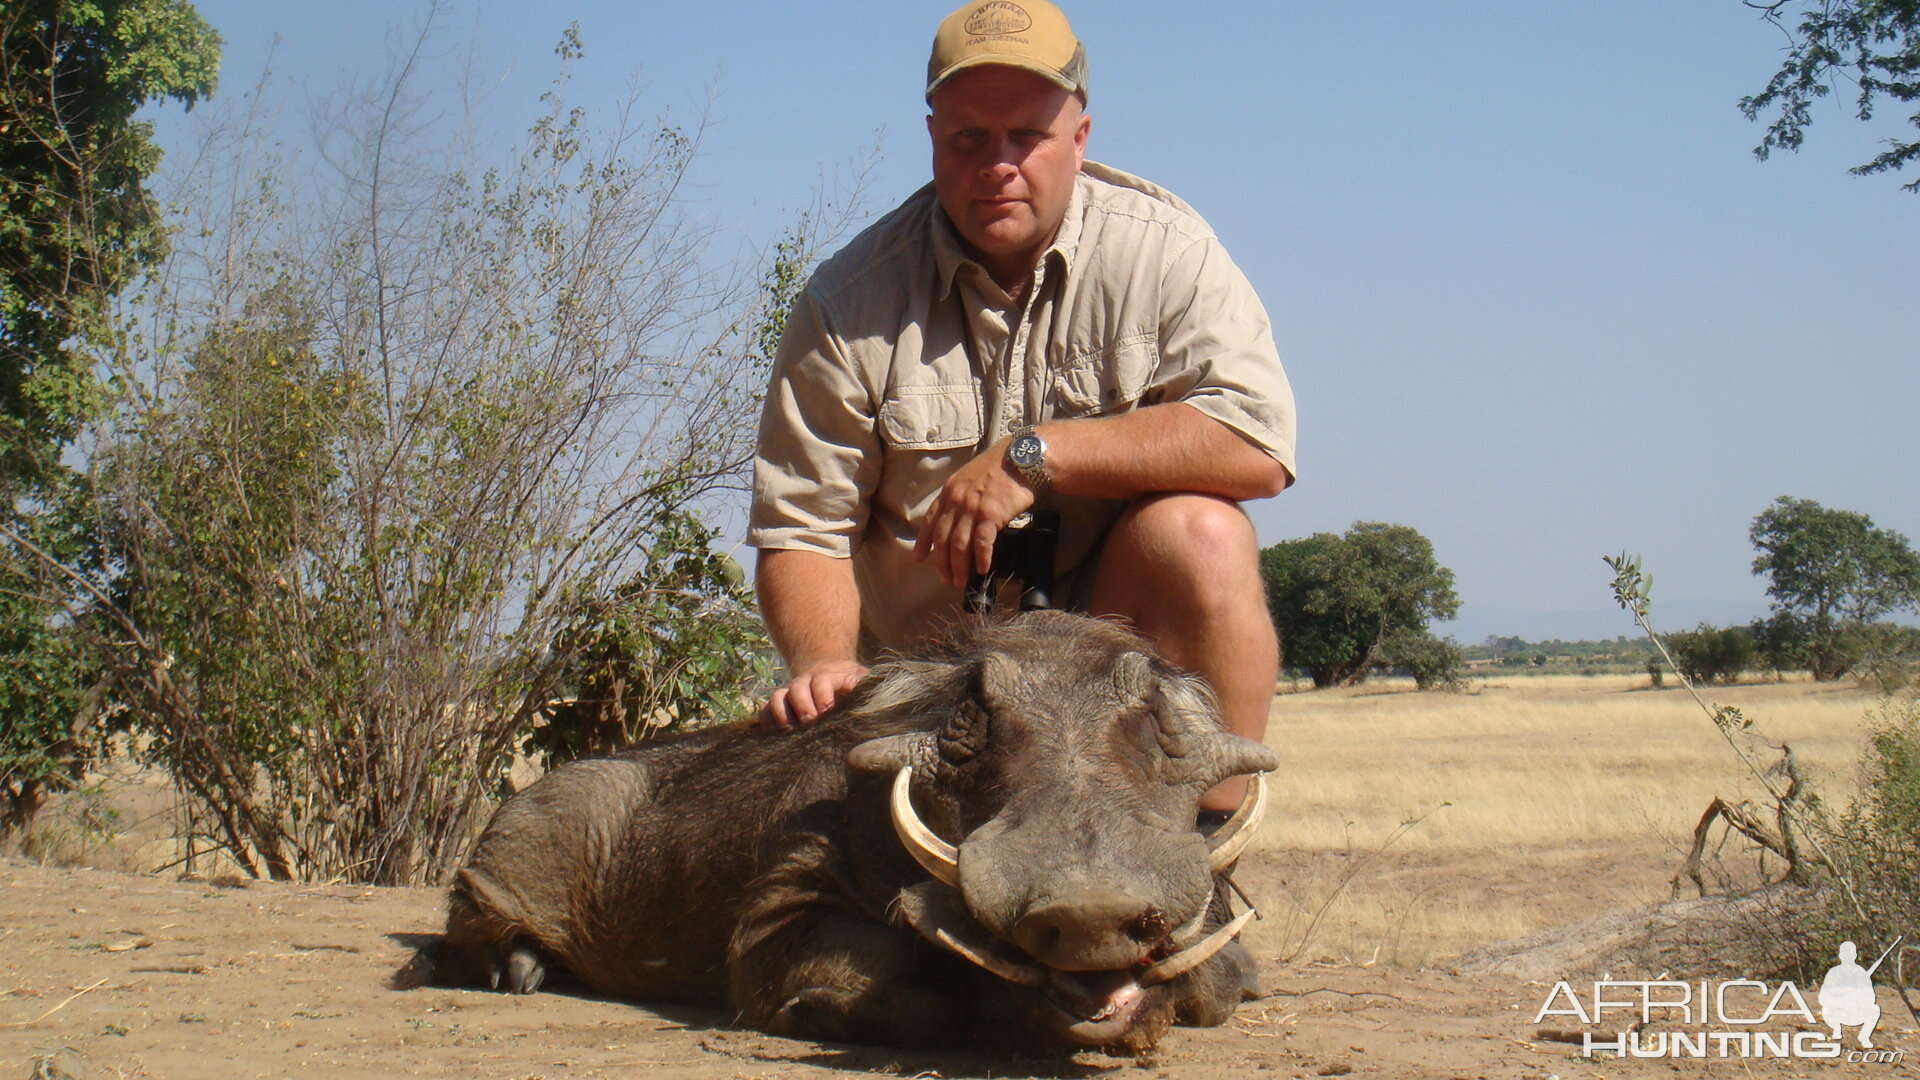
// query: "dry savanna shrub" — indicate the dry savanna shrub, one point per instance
point(407, 450)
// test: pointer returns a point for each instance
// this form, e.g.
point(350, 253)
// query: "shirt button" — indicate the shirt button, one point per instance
point(931, 432)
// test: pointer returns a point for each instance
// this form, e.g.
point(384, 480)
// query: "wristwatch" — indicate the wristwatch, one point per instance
point(1027, 453)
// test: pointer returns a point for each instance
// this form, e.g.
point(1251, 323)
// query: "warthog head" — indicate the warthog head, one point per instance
point(1056, 801)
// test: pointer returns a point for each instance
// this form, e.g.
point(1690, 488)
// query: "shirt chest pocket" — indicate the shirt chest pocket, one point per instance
point(1106, 380)
point(931, 417)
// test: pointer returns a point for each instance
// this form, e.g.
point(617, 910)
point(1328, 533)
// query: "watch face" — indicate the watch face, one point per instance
point(1027, 450)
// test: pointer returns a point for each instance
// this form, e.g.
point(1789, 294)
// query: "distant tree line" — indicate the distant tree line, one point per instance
point(1352, 605)
point(1518, 652)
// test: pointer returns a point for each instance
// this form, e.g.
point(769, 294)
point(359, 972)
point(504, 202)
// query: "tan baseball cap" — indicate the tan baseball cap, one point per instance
point(1030, 34)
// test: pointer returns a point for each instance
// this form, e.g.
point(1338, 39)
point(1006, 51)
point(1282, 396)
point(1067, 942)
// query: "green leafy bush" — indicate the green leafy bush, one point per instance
point(1434, 663)
point(680, 644)
point(1709, 654)
point(1876, 846)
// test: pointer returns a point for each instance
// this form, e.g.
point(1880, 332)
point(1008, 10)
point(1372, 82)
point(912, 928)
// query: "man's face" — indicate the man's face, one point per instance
point(1006, 146)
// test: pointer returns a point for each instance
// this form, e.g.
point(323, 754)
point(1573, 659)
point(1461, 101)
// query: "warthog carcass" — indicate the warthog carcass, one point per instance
point(992, 841)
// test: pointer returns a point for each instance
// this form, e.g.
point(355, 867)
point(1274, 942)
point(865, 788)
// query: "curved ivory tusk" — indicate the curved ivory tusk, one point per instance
point(935, 856)
point(1187, 959)
point(1237, 833)
point(1019, 974)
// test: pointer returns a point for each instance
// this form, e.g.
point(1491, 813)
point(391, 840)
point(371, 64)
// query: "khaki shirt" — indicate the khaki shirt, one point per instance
point(902, 360)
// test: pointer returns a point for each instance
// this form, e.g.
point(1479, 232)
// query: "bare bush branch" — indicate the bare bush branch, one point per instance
point(405, 450)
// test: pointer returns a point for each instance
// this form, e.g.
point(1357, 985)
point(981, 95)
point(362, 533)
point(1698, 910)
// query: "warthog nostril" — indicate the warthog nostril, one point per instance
point(1149, 926)
point(1042, 940)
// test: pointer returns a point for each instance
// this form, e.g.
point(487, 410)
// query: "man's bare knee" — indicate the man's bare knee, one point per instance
point(1187, 528)
point(1181, 556)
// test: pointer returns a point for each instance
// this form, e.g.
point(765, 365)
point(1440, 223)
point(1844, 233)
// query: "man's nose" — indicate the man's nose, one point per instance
point(1002, 155)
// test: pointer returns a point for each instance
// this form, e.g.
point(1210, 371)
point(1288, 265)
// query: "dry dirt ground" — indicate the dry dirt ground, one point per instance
point(119, 973)
point(106, 974)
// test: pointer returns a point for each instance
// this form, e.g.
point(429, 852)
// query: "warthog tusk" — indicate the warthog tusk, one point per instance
point(935, 856)
point(1237, 833)
point(1019, 974)
point(1187, 959)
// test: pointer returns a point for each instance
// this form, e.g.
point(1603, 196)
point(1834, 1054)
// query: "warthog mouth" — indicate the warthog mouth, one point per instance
point(1098, 1005)
point(1095, 1008)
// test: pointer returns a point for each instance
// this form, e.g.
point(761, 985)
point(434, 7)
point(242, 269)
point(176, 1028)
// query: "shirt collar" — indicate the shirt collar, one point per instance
point(950, 254)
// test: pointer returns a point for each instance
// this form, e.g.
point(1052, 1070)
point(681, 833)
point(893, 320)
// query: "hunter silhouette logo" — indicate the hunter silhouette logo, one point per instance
point(1846, 994)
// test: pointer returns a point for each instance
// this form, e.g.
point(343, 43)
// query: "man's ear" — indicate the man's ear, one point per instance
point(1080, 129)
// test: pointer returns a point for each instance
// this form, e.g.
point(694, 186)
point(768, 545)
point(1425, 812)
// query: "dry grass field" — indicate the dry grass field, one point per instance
point(1533, 801)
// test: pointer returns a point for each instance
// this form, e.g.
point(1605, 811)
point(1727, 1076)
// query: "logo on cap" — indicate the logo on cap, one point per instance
point(998, 17)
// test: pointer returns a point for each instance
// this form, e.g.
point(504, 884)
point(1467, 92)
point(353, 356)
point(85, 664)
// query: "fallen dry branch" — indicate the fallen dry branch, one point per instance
point(1331, 990)
point(1745, 818)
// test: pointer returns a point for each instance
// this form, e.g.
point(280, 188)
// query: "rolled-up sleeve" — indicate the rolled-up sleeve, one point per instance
point(819, 457)
point(1217, 352)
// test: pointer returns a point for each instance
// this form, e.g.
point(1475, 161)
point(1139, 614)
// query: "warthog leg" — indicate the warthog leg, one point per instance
point(808, 971)
point(526, 967)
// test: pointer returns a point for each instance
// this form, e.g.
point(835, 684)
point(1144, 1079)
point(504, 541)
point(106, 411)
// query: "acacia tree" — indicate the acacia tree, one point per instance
point(77, 224)
point(1344, 605)
point(1832, 574)
point(414, 451)
point(1874, 44)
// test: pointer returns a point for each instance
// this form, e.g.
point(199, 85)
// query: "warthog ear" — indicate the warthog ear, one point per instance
point(998, 679)
point(1183, 710)
point(1183, 705)
point(892, 753)
point(1133, 676)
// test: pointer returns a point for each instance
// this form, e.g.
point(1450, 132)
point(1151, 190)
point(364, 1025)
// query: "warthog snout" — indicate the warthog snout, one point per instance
point(1092, 928)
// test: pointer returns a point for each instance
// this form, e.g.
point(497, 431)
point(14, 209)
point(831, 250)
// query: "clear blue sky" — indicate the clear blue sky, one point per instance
point(1535, 295)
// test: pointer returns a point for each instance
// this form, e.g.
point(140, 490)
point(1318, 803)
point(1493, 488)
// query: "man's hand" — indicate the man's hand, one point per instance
point(812, 692)
point(973, 506)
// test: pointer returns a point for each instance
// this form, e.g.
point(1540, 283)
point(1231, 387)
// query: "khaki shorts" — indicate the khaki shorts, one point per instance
point(905, 605)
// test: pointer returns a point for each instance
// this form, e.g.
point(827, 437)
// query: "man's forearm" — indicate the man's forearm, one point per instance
point(1171, 447)
point(810, 604)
